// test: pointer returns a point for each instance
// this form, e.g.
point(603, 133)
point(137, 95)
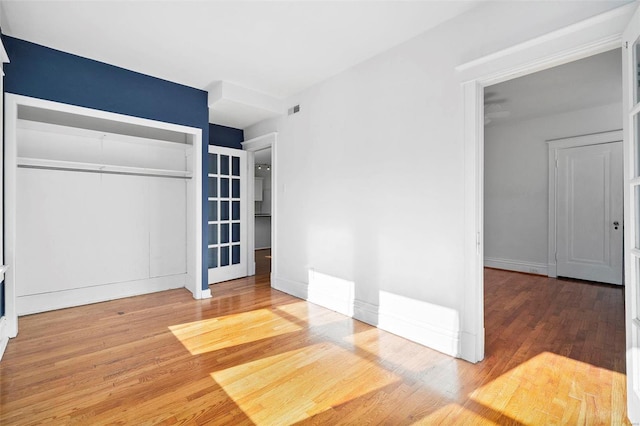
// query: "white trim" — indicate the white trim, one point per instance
point(585, 140)
point(399, 319)
point(294, 288)
point(96, 113)
point(366, 312)
point(630, 108)
point(270, 140)
point(554, 146)
point(586, 38)
point(4, 335)
point(402, 323)
point(36, 303)
point(472, 324)
point(516, 265)
point(251, 213)
point(570, 55)
point(260, 142)
point(622, 12)
point(193, 280)
point(4, 57)
point(331, 292)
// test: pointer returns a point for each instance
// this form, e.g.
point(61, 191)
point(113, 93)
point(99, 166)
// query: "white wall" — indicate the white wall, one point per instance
point(264, 206)
point(370, 175)
point(516, 183)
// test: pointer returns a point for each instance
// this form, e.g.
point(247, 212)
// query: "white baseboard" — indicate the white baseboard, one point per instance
point(35, 303)
point(469, 350)
point(431, 325)
point(294, 288)
point(516, 265)
point(366, 312)
point(331, 292)
point(408, 318)
point(4, 335)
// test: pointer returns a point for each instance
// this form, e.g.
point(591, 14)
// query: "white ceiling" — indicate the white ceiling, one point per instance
point(277, 48)
point(589, 82)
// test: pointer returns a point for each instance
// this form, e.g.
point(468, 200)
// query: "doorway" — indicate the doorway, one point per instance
point(263, 168)
point(262, 208)
point(528, 119)
point(601, 33)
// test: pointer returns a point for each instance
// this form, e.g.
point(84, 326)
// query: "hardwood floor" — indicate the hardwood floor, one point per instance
point(254, 355)
point(263, 262)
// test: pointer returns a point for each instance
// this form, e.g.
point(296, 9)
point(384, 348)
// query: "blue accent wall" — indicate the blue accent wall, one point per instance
point(225, 136)
point(50, 74)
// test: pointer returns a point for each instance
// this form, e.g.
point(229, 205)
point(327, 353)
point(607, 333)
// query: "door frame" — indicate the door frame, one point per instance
point(554, 146)
point(586, 38)
point(251, 146)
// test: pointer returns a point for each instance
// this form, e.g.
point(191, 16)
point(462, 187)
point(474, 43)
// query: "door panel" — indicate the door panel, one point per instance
point(631, 110)
point(227, 214)
point(589, 211)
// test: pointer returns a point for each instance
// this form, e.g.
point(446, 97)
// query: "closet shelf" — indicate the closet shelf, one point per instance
point(102, 135)
point(40, 163)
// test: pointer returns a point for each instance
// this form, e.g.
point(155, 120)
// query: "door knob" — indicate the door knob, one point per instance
point(616, 224)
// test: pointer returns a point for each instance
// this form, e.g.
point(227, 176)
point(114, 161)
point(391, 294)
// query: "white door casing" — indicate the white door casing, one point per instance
point(589, 212)
point(227, 214)
point(631, 127)
point(4, 327)
point(259, 143)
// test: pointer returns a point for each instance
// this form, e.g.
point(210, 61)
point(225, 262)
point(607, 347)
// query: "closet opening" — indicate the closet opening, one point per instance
point(99, 206)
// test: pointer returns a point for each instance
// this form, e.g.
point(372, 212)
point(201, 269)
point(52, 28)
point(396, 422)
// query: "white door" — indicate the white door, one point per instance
point(631, 127)
point(590, 213)
point(227, 214)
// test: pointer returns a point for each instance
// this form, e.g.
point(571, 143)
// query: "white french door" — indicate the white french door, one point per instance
point(227, 214)
point(631, 125)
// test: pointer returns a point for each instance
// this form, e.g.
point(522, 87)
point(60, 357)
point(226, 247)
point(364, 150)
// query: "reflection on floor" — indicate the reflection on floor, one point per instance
point(254, 355)
point(263, 262)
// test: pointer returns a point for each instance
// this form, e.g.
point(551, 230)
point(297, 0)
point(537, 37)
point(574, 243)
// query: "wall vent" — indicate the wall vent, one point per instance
point(294, 109)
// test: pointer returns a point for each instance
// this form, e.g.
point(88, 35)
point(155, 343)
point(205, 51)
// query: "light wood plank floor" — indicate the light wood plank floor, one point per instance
point(253, 355)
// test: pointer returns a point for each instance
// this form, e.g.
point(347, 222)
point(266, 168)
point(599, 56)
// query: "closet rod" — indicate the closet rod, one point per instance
point(38, 163)
point(109, 172)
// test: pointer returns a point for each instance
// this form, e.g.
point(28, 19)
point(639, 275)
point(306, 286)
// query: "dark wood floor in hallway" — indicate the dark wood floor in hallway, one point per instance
point(254, 355)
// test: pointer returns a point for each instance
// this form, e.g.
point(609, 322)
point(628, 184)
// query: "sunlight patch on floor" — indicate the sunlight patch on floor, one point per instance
point(284, 388)
point(310, 315)
point(456, 414)
point(554, 390)
point(232, 330)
